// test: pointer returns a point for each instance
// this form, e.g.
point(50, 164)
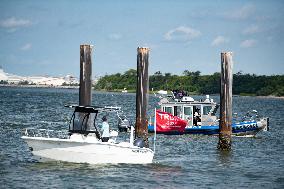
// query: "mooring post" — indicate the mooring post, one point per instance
point(225, 124)
point(141, 127)
point(85, 90)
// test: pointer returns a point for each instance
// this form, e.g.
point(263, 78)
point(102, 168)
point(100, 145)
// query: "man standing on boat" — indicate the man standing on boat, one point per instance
point(105, 129)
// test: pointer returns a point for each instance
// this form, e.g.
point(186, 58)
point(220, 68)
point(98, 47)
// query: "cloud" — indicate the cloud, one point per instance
point(182, 33)
point(219, 40)
point(242, 13)
point(251, 30)
point(13, 22)
point(115, 36)
point(248, 43)
point(26, 47)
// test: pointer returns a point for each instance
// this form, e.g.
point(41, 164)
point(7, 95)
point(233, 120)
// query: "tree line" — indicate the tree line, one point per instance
point(195, 83)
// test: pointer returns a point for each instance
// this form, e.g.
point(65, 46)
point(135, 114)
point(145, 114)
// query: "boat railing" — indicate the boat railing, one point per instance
point(248, 116)
point(45, 133)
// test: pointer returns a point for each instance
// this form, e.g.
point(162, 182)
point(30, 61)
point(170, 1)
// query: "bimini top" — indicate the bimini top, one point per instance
point(94, 109)
point(82, 120)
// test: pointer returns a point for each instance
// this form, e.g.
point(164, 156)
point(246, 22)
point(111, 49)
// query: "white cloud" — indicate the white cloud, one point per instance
point(248, 43)
point(26, 47)
point(242, 13)
point(219, 40)
point(115, 36)
point(14, 23)
point(182, 33)
point(251, 29)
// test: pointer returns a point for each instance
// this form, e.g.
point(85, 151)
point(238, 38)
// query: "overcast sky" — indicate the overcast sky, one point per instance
point(43, 37)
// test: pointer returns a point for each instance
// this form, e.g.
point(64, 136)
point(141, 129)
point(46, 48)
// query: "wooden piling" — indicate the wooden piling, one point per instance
point(225, 124)
point(141, 127)
point(85, 90)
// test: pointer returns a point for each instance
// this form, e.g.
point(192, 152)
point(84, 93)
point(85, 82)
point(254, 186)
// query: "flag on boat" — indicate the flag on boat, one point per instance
point(166, 122)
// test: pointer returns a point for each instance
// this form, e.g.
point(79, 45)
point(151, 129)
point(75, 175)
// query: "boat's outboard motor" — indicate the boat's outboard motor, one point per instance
point(123, 124)
point(139, 142)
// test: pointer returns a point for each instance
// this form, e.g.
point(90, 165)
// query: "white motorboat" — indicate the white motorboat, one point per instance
point(162, 92)
point(124, 90)
point(83, 145)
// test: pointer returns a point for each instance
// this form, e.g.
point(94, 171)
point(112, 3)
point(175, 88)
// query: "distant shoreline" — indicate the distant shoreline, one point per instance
point(39, 86)
point(279, 97)
point(77, 87)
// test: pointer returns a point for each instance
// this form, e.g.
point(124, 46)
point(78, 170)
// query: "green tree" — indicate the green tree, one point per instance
point(23, 83)
point(196, 83)
point(3, 82)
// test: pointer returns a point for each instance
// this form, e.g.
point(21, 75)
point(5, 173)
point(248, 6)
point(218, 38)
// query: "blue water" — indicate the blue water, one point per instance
point(180, 161)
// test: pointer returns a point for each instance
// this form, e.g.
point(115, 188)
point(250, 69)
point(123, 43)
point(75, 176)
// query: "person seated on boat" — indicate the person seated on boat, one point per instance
point(105, 129)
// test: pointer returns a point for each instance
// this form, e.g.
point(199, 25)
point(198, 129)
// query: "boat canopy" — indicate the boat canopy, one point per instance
point(84, 118)
point(84, 109)
point(94, 109)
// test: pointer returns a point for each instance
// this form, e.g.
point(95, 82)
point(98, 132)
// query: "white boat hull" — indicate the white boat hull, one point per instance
point(84, 151)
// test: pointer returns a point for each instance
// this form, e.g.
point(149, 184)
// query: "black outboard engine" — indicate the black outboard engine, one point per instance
point(139, 142)
point(123, 124)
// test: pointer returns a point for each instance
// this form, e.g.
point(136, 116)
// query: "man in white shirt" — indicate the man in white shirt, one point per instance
point(105, 129)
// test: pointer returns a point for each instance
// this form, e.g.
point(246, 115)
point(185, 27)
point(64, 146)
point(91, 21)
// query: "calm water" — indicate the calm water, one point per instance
point(180, 161)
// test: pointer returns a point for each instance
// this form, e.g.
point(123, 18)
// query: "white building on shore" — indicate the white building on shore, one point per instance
point(38, 80)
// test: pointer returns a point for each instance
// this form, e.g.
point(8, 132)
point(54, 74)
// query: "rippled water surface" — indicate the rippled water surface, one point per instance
point(180, 161)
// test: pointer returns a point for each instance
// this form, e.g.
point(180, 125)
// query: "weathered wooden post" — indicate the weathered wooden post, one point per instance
point(85, 90)
point(225, 124)
point(141, 127)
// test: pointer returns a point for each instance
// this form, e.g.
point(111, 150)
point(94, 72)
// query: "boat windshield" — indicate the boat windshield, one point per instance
point(82, 119)
point(188, 110)
point(206, 110)
point(168, 109)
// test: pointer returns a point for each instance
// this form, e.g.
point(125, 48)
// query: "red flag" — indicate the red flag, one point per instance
point(166, 122)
